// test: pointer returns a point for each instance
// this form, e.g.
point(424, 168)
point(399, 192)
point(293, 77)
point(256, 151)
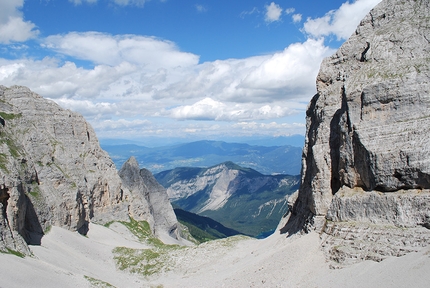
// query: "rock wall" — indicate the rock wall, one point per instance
point(52, 172)
point(150, 200)
point(366, 157)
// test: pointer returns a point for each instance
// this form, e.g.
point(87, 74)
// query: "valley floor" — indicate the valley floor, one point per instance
point(67, 259)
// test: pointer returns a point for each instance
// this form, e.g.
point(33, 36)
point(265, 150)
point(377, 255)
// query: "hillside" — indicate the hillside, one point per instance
point(240, 198)
point(203, 228)
point(265, 159)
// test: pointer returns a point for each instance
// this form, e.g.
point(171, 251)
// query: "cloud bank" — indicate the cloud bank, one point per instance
point(140, 86)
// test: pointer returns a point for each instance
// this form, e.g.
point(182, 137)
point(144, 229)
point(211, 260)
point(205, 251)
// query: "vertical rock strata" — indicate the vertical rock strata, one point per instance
point(53, 172)
point(150, 200)
point(367, 155)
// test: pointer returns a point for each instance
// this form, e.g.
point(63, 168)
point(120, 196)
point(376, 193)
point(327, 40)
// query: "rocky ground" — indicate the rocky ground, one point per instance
point(68, 259)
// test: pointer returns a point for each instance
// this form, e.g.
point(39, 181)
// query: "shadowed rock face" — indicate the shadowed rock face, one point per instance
point(366, 156)
point(150, 201)
point(53, 172)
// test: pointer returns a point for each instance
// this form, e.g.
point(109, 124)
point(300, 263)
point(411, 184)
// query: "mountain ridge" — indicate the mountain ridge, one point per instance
point(266, 159)
point(240, 198)
point(54, 173)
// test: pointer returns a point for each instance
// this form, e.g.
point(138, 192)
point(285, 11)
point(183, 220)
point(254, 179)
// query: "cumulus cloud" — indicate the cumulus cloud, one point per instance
point(209, 109)
point(290, 10)
point(54, 79)
point(288, 74)
point(273, 12)
point(341, 22)
point(102, 48)
point(13, 28)
point(297, 18)
point(138, 83)
point(262, 87)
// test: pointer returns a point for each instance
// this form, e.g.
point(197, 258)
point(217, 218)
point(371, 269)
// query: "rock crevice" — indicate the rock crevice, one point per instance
point(366, 157)
point(54, 173)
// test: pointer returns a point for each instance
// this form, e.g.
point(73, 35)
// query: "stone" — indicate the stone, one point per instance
point(366, 157)
point(150, 201)
point(54, 173)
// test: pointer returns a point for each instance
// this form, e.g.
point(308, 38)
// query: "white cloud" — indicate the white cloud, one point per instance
point(250, 12)
point(107, 49)
point(122, 124)
point(262, 87)
point(79, 2)
point(288, 74)
point(138, 3)
point(273, 12)
point(297, 18)
point(200, 8)
point(288, 71)
point(13, 28)
point(341, 22)
point(289, 10)
point(209, 109)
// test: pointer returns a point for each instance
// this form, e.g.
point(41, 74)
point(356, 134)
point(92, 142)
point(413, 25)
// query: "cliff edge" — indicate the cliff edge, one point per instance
point(54, 173)
point(366, 160)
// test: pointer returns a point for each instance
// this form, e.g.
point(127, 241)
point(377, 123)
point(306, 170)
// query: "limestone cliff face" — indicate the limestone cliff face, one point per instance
point(52, 172)
point(149, 201)
point(366, 156)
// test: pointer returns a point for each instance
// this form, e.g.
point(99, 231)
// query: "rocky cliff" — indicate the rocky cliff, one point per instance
point(53, 172)
point(149, 199)
point(366, 160)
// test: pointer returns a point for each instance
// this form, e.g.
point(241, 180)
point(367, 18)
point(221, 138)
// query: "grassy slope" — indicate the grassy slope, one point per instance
point(203, 228)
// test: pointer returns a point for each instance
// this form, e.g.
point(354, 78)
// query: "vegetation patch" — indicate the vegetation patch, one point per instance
point(140, 261)
point(7, 116)
point(3, 161)
point(13, 252)
point(97, 283)
point(143, 261)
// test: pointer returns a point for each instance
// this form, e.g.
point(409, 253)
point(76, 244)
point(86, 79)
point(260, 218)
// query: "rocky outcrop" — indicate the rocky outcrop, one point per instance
point(149, 200)
point(53, 172)
point(366, 157)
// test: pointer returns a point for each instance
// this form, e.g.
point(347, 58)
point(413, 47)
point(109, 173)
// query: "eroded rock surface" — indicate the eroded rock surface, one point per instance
point(366, 157)
point(53, 172)
point(150, 201)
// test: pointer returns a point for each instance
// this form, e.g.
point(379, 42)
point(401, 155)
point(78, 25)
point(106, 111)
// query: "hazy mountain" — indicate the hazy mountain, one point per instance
point(240, 198)
point(293, 140)
point(265, 159)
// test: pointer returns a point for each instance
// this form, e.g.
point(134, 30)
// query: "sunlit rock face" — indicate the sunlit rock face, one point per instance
point(149, 201)
point(53, 172)
point(366, 156)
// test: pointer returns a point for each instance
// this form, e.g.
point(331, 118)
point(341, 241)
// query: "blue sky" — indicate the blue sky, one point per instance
point(166, 69)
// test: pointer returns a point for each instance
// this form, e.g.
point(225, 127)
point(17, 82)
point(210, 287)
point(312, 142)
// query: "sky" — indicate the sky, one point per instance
point(168, 69)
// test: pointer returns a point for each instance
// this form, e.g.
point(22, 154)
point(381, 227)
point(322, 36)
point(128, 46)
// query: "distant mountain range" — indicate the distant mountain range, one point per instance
point(265, 159)
point(239, 198)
